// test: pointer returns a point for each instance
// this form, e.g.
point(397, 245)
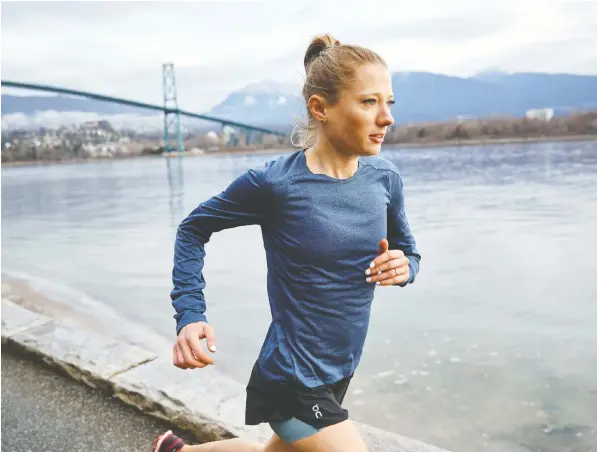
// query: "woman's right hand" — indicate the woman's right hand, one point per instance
point(188, 353)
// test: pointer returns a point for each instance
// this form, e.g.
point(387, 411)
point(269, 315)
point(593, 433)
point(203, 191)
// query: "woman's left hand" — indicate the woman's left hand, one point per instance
point(389, 267)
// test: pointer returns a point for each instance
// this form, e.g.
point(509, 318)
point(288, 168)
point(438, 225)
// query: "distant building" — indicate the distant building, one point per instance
point(229, 136)
point(543, 114)
point(212, 137)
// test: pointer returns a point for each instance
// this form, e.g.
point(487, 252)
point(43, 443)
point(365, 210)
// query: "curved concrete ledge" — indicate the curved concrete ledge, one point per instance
point(207, 403)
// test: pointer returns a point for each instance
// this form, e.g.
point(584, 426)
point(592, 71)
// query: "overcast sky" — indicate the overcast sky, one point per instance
point(117, 48)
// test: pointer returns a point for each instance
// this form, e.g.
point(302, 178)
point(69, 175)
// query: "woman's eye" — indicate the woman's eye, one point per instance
point(369, 101)
point(391, 102)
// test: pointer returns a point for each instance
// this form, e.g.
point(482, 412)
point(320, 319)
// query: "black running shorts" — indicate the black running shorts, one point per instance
point(273, 402)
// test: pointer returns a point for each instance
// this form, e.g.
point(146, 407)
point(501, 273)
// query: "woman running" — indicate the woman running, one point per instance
point(334, 227)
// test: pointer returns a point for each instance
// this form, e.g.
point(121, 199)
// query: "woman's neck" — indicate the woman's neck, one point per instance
point(324, 158)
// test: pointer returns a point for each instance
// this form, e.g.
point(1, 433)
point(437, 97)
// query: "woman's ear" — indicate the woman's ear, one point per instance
point(318, 107)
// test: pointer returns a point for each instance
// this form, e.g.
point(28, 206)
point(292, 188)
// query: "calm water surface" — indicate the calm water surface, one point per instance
point(494, 348)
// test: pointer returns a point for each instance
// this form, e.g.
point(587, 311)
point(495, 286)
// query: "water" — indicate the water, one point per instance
point(494, 348)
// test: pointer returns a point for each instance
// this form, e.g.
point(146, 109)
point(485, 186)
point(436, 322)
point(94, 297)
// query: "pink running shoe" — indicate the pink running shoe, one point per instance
point(167, 442)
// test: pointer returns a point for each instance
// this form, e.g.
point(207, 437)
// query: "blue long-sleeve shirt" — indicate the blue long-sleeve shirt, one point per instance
point(320, 235)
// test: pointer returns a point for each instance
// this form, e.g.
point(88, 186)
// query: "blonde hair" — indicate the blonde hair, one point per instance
point(330, 68)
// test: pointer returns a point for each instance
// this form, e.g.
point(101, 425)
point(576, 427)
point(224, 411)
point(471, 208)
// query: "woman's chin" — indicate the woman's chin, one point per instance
point(371, 149)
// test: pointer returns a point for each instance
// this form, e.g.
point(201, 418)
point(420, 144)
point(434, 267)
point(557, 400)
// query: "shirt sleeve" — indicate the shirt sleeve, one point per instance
point(399, 233)
point(244, 202)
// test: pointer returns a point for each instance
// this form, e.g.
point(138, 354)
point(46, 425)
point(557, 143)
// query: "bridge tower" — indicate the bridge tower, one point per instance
point(171, 113)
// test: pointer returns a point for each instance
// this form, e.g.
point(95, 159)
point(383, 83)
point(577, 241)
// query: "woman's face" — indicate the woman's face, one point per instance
point(358, 123)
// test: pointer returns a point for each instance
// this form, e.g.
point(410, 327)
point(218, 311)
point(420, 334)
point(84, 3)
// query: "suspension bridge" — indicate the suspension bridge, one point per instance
point(172, 113)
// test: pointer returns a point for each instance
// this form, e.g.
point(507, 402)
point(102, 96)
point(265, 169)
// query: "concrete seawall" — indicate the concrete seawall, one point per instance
point(206, 402)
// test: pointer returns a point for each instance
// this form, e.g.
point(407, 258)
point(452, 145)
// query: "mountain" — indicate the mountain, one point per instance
point(560, 91)
point(424, 96)
point(32, 104)
point(264, 103)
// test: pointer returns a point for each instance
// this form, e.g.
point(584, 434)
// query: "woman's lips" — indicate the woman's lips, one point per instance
point(377, 138)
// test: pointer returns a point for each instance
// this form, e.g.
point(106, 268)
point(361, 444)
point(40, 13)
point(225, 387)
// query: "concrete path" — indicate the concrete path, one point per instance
point(43, 410)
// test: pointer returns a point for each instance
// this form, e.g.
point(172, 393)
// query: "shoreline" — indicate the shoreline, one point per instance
point(252, 151)
point(499, 141)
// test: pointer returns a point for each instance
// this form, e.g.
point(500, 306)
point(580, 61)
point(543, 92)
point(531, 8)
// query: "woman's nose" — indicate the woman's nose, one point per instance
point(385, 119)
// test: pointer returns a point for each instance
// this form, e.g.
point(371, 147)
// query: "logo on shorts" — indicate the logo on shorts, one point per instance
point(318, 414)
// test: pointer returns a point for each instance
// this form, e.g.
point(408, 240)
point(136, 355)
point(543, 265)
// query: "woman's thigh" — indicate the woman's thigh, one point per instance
point(341, 437)
point(276, 444)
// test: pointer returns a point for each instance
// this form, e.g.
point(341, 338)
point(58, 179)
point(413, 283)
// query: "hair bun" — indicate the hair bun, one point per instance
point(318, 45)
